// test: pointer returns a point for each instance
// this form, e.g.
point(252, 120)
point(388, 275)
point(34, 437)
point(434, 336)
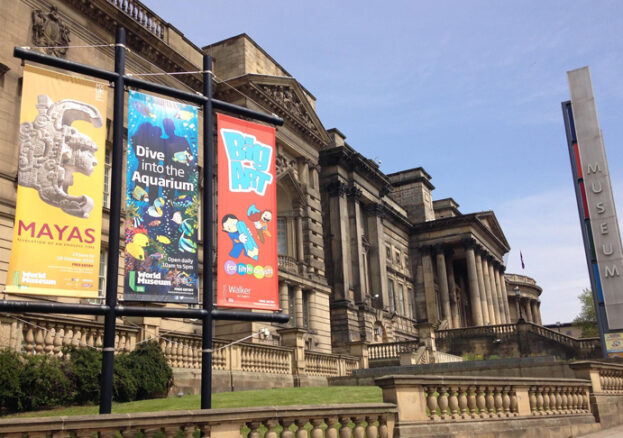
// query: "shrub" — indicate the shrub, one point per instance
point(149, 367)
point(43, 384)
point(124, 381)
point(11, 367)
point(84, 369)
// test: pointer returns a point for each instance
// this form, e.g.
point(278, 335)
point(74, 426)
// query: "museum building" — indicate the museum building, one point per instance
point(365, 258)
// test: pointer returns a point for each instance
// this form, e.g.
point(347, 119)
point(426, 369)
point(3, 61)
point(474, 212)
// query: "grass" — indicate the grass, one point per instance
point(240, 399)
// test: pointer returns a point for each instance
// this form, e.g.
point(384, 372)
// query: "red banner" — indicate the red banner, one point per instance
point(247, 215)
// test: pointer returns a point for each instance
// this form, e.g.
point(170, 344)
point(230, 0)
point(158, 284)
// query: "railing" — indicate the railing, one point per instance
point(605, 377)
point(368, 421)
point(516, 278)
point(182, 351)
point(391, 350)
point(265, 359)
point(322, 364)
point(450, 398)
point(404, 324)
point(142, 15)
point(501, 331)
point(48, 335)
point(288, 264)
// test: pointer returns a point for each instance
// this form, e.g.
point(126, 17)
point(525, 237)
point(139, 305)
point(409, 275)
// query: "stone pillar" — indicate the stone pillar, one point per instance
point(442, 277)
point(300, 252)
point(298, 296)
point(494, 291)
point(357, 258)
point(495, 273)
point(472, 277)
point(535, 311)
point(538, 312)
point(528, 308)
point(454, 309)
point(487, 279)
point(283, 297)
point(507, 308)
point(429, 285)
point(486, 318)
point(377, 262)
point(340, 240)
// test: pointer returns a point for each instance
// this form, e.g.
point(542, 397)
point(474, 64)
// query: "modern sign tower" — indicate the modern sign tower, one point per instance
point(600, 229)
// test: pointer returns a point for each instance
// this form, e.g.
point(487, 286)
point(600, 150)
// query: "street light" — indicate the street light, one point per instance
point(518, 296)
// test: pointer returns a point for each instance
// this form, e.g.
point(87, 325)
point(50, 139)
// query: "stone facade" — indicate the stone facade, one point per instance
point(364, 257)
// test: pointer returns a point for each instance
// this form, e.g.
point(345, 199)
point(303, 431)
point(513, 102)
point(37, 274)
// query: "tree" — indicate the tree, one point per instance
point(587, 319)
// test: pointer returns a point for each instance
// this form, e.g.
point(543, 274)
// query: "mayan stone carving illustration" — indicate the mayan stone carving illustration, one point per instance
point(51, 150)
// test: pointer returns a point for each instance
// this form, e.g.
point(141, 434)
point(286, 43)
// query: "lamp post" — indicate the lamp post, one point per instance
point(518, 296)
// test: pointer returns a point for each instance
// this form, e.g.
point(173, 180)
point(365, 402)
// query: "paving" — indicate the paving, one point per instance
point(614, 432)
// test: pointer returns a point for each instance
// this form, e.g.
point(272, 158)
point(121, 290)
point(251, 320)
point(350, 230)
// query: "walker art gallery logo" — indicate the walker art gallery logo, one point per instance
point(57, 233)
point(247, 244)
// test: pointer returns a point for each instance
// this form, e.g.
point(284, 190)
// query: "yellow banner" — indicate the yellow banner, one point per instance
point(58, 218)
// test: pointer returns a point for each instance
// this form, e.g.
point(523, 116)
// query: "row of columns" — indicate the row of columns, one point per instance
point(298, 302)
point(530, 309)
point(488, 295)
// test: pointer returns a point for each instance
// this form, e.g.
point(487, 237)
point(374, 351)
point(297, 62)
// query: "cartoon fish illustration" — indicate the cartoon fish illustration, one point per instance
point(137, 221)
point(184, 115)
point(154, 223)
point(156, 209)
point(142, 109)
point(163, 239)
point(156, 256)
point(177, 217)
point(140, 194)
point(183, 157)
point(187, 245)
point(187, 227)
point(136, 247)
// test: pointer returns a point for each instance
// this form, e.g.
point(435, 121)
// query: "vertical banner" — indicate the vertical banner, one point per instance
point(247, 204)
point(58, 217)
point(162, 201)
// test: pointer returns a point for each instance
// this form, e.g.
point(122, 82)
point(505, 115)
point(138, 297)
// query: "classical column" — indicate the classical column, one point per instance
point(529, 315)
point(454, 309)
point(485, 271)
point(535, 312)
point(283, 297)
point(486, 319)
point(300, 253)
point(429, 285)
point(340, 240)
point(442, 277)
point(377, 263)
point(472, 277)
point(507, 308)
point(495, 273)
point(298, 296)
point(494, 290)
point(357, 259)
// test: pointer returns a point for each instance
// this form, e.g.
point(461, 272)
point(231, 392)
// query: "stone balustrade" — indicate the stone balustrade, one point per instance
point(142, 15)
point(265, 359)
point(49, 334)
point(330, 421)
point(605, 378)
point(500, 330)
point(330, 365)
point(288, 264)
point(391, 350)
point(449, 398)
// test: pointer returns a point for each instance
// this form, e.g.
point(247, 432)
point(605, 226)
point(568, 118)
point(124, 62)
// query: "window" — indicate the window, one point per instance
point(282, 241)
point(107, 174)
point(401, 300)
point(390, 293)
point(102, 273)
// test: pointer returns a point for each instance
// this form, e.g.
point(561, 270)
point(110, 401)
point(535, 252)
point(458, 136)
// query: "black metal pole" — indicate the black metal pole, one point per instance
point(108, 350)
point(208, 155)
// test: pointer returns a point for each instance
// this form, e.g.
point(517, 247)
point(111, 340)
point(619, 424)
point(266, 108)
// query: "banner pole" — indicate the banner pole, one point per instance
point(108, 351)
point(207, 212)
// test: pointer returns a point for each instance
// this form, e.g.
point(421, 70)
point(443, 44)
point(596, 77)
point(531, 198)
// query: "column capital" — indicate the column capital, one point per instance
point(336, 188)
point(425, 249)
point(354, 193)
point(469, 242)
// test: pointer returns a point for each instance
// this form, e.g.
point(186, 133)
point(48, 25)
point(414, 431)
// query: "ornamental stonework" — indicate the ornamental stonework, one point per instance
point(48, 31)
point(287, 98)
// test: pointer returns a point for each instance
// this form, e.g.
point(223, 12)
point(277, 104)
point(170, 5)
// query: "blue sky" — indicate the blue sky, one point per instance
point(470, 91)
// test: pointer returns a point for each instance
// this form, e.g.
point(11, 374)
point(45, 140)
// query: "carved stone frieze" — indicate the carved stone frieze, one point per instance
point(48, 30)
point(283, 164)
point(285, 97)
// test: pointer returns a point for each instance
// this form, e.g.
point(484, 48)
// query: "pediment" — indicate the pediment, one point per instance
point(489, 220)
point(290, 101)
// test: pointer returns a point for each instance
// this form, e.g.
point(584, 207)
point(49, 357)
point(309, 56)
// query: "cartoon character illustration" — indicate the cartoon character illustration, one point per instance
point(240, 237)
point(260, 221)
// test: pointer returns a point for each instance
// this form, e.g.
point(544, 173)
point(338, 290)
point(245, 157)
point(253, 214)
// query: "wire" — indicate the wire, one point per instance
point(169, 73)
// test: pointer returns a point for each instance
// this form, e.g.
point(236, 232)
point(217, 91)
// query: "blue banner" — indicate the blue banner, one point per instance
point(161, 201)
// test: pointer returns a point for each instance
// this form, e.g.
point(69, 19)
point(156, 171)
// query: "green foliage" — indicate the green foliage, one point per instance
point(43, 383)
point(84, 370)
point(124, 382)
point(149, 367)
point(472, 356)
point(11, 368)
point(587, 319)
